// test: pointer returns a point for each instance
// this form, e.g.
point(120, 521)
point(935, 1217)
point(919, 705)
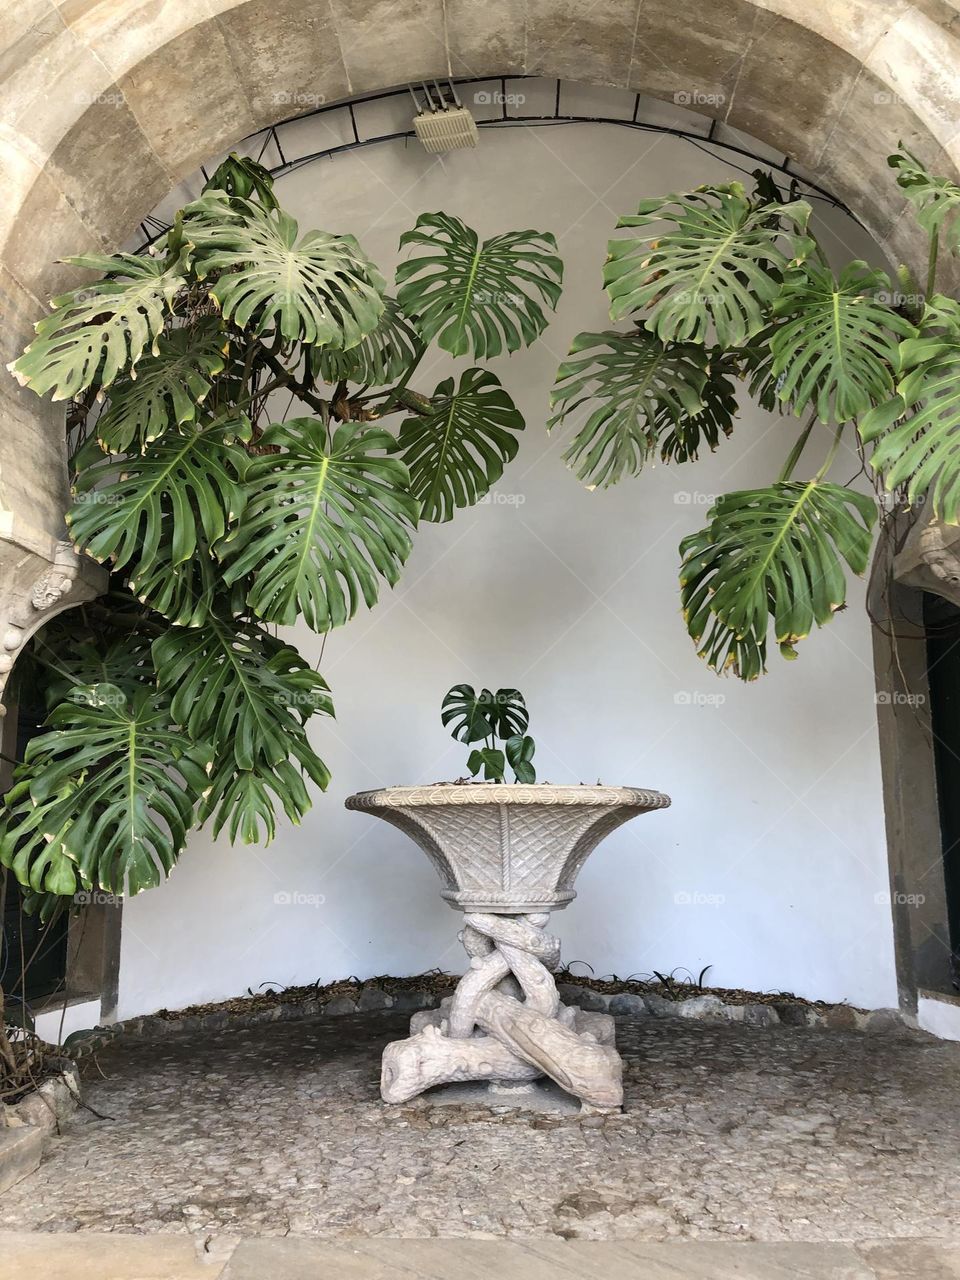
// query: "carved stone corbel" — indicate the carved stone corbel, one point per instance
point(35, 587)
point(930, 557)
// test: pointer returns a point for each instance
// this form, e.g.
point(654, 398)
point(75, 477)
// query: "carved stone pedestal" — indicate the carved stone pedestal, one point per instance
point(507, 856)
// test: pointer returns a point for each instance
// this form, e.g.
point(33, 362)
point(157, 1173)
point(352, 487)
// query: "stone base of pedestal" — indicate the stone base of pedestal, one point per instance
point(541, 1096)
point(485, 1033)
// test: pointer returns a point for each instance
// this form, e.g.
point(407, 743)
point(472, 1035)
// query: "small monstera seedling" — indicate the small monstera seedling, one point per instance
point(491, 718)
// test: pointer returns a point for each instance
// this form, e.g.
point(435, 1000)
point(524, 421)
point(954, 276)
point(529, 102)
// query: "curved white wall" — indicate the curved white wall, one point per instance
point(771, 865)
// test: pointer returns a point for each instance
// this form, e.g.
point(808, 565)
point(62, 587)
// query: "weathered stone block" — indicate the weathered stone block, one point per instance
point(20, 1151)
point(372, 998)
point(629, 1004)
point(287, 55)
point(414, 49)
point(340, 1005)
point(703, 1008)
point(760, 1015)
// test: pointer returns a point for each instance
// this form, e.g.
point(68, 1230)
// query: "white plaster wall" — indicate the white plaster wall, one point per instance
point(771, 864)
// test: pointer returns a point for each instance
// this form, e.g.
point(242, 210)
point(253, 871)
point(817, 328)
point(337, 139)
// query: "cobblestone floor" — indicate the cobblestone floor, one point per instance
point(728, 1132)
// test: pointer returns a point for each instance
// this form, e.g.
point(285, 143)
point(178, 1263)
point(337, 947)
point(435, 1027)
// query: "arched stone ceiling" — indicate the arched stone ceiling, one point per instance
point(106, 104)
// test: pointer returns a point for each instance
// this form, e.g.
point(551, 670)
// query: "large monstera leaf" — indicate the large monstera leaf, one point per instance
point(936, 201)
point(166, 392)
point(706, 260)
point(478, 298)
point(101, 330)
point(382, 357)
point(319, 289)
point(771, 553)
point(179, 496)
point(634, 390)
point(685, 438)
point(105, 797)
point(916, 433)
point(244, 800)
point(458, 449)
point(837, 342)
point(322, 523)
point(235, 685)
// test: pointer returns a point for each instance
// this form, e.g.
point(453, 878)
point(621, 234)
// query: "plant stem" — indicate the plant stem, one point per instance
point(932, 262)
point(794, 456)
point(828, 461)
point(394, 392)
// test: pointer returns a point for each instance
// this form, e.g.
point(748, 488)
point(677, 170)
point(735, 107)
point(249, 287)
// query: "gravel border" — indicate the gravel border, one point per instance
point(372, 997)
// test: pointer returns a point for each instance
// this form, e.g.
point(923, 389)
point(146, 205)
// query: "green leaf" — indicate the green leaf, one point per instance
point(915, 433)
point(773, 552)
point(318, 289)
point(105, 797)
point(244, 177)
point(234, 684)
point(683, 441)
point(838, 340)
point(470, 714)
point(321, 523)
point(635, 390)
point(185, 487)
point(519, 751)
point(490, 760)
point(457, 450)
point(166, 391)
point(478, 299)
point(244, 801)
point(936, 201)
point(509, 715)
point(381, 357)
point(101, 330)
point(706, 258)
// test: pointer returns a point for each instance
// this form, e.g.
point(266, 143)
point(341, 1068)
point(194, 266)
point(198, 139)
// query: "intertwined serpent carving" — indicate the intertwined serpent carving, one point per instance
point(505, 1022)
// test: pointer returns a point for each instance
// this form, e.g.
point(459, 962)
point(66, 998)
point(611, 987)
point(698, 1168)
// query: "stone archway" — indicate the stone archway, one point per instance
point(107, 104)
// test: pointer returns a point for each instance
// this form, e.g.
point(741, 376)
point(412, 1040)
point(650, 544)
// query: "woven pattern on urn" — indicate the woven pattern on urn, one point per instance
point(508, 848)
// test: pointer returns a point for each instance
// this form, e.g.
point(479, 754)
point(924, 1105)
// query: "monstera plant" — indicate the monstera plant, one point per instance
point(719, 291)
point(247, 450)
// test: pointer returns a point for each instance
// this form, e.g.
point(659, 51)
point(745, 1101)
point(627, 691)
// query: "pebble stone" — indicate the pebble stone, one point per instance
point(730, 1131)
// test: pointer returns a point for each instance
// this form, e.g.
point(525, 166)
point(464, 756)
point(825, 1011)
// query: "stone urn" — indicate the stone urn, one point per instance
point(507, 855)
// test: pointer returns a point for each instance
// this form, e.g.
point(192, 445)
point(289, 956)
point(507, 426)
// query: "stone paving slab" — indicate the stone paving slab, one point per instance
point(20, 1150)
point(95, 1256)
point(919, 1260)
point(41, 1256)
point(543, 1260)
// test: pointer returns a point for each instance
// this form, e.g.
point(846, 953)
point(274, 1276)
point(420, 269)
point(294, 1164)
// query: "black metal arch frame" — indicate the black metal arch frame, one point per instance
point(151, 228)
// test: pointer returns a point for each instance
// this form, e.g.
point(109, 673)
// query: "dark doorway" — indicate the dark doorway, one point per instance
point(942, 622)
point(33, 956)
